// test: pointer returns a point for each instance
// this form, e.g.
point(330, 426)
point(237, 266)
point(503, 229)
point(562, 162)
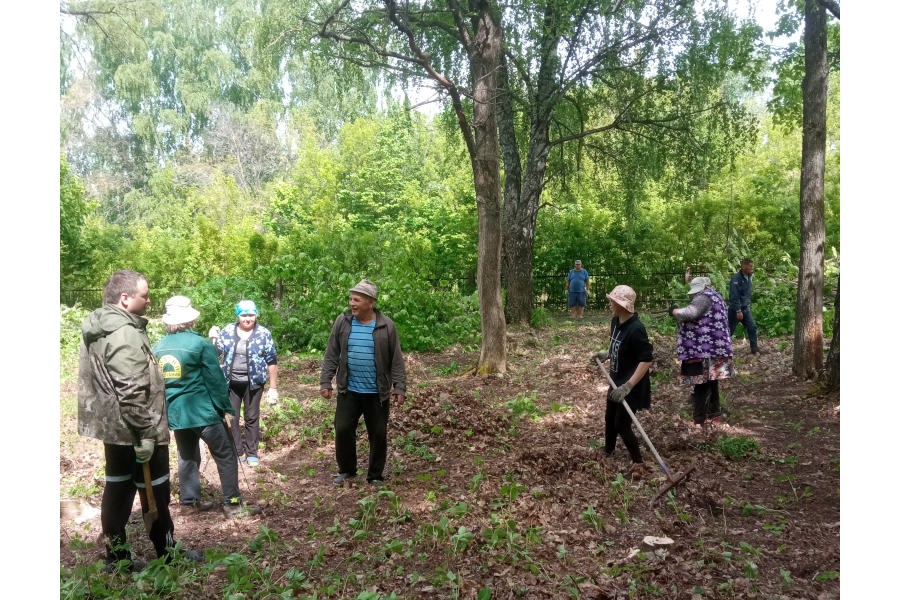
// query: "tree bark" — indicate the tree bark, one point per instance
point(522, 196)
point(808, 336)
point(518, 293)
point(485, 61)
point(833, 364)
point(520, 222)
point(483, 49)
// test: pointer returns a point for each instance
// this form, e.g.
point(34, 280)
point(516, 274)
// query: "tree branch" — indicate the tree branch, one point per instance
point(424, 61)
point(831, 6)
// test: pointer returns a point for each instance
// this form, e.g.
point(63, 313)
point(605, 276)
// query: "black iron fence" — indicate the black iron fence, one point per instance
point(652, 289)
point(549, 290)
point(86, 298)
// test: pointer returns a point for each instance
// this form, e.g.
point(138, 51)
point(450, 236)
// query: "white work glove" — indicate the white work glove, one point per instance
point(144, 450)
point(601, 356)
point(214, 331)
point(229, 421)
point(272, 396)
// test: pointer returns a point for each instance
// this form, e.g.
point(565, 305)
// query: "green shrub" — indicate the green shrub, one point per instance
point(69, 336)
point(540, 318)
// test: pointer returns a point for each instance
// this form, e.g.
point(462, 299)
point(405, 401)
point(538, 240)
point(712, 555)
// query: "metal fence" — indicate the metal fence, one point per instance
point(87, 298)
point(652, 289)
point(549, 290)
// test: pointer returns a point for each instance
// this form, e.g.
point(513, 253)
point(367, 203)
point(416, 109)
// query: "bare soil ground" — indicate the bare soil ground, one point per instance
point(497, 484)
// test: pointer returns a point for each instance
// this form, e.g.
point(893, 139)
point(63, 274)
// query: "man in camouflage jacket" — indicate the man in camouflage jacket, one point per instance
point(121, 401)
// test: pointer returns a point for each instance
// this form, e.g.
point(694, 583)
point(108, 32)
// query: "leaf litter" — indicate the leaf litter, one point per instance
point(498, 483)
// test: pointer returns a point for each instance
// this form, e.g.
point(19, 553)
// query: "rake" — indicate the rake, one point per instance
point(152, 513)
point(672, 480)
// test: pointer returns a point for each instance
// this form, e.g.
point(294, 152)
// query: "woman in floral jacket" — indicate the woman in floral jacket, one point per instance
point(249, 360)
point(704, 347)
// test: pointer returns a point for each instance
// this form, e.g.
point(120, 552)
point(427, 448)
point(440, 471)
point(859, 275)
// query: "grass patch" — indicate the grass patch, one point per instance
point(738, 447)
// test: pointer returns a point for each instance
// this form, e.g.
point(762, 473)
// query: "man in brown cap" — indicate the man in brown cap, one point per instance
point(364, 353)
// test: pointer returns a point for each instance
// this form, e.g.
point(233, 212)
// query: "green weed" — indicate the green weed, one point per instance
point(460, 540)
point(409, 445)
point(460, 509)
point(590, 516)
point(622, 493)
point(435, 533)
point(756, 510)
point(509, 491)
point(738, 447)
point(786, 579)
point(448, 370)
point(82, 490)
point(525, 406)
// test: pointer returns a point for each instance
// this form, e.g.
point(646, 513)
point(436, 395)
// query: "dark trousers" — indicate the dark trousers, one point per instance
point(221, 446)
point(618, 423)
point(706, 401)
point(350, 406)
point(748, 323)
point(124, 477)
point(239, 392)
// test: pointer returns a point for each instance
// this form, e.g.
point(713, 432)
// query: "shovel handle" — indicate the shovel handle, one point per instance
point(644, 435)
point(148, 488)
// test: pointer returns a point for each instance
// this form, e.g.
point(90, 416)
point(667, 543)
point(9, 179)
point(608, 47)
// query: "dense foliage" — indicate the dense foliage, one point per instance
point(392, 201)
point(385, 194)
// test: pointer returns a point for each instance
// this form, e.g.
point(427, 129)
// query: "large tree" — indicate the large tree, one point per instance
point(638, 85)
point(413, 42)
point(817, 62)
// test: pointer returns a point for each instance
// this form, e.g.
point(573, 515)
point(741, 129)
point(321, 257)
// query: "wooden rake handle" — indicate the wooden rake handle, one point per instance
point(151, 515)
point(659, 460)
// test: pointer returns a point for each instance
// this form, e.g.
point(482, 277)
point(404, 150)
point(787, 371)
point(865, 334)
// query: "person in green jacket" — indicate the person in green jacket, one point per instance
point(198, 407)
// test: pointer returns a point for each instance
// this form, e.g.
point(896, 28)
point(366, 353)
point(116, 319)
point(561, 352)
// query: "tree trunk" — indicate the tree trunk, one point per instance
point(485, 60)
point(833, 364)
point(279, 293)
point(808, 336)
point(523, 196)
point(518, 296)
point(520, 220)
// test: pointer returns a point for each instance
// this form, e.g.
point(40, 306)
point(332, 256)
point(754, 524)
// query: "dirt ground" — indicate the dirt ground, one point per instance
point(515, 463)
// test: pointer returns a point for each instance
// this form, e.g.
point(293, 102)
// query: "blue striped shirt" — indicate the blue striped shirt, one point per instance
point(361, 358)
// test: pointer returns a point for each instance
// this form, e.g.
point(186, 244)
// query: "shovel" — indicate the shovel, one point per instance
point(151, 515)
point(672, 480)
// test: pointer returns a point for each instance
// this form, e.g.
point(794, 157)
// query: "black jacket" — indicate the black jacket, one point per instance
point(739, 291)
point(629, 346)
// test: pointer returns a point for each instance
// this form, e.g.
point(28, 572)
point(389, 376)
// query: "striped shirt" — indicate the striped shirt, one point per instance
point(361, 358)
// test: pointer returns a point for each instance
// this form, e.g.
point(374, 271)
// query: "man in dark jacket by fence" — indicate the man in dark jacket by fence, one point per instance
point(122, 402)
point(364, 352)
point(740, 291)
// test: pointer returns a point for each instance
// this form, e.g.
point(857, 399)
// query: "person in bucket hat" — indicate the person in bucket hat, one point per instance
point(198, 407)
point(364, 357)
point(249, 359)
point(704, 347)
point(630, 356)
